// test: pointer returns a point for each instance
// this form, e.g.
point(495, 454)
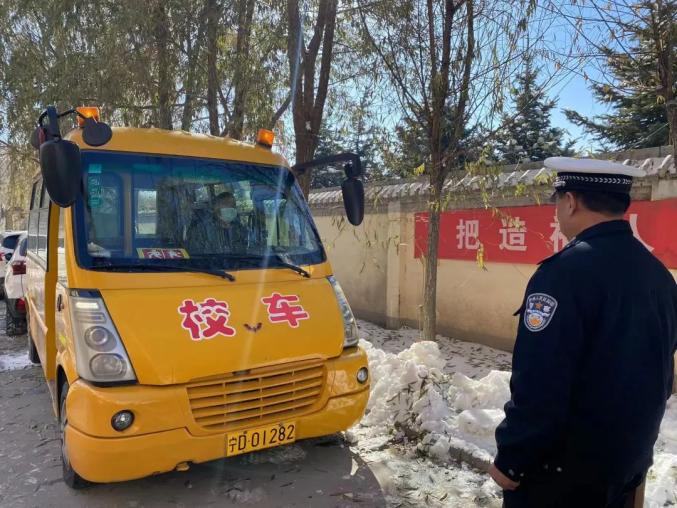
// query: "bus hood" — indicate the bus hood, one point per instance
point(177, 335)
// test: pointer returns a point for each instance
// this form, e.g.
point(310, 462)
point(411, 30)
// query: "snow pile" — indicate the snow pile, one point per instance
point(661, 485)
point(480, 422)
point(419, 397)
point(492, 391)
point(407, 391)
point(413, 398)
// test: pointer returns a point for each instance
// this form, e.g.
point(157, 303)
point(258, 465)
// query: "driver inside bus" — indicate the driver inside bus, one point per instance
point(218, 229)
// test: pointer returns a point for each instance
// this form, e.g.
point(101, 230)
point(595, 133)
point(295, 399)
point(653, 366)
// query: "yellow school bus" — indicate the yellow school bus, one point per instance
point(180, 301)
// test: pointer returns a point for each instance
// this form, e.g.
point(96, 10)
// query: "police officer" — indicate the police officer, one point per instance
point(593, 363)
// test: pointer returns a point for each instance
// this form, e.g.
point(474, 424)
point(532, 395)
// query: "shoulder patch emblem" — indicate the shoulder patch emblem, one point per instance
point(540, 308)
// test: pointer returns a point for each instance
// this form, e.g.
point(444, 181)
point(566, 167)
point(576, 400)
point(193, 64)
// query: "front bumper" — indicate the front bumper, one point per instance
point(164, 433)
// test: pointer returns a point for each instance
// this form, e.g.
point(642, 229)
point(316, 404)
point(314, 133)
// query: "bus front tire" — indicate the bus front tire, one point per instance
point(70, 477)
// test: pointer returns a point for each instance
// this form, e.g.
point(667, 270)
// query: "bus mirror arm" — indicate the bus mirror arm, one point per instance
point(352, 168)
point(60, 163)
point(351, 188)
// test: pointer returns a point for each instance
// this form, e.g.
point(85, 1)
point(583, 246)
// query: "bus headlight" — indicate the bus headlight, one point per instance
point(97, 337)
point(100, 355)
point(350, 331)
point(107, 366)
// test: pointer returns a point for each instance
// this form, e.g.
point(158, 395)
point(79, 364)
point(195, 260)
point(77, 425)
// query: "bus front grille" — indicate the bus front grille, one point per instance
point(270, 394)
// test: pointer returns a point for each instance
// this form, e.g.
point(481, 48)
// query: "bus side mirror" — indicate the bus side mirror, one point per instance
point(353, 200)
point(61, 170)
point(352, 188)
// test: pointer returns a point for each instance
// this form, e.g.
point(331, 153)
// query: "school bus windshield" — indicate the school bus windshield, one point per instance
point(149, 211)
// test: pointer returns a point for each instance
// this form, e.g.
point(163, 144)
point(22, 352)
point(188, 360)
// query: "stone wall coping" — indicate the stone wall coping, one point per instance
point(656, 168)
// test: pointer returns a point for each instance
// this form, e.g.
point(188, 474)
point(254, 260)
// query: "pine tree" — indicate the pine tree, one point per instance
point(410, 148)
point(641, 89)
point(528, 134)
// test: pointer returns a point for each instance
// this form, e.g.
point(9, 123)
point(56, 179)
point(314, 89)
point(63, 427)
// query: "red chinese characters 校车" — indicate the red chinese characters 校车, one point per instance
point(284, 308)
point(207, 319)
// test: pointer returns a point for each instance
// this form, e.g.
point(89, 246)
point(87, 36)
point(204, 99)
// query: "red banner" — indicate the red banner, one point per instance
point(528, 234)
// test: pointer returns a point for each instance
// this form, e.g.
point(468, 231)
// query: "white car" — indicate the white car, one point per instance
point(15, 272)
point(8, 241)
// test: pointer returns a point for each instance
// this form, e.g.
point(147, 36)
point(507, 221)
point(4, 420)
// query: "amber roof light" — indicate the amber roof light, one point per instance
point(265, 137)
point(87, 112)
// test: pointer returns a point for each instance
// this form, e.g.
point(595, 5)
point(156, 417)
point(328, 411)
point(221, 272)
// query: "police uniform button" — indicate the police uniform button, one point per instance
point(511, 472)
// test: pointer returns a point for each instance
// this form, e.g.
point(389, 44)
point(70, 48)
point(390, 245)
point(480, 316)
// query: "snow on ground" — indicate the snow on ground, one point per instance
point(432, 402)
point(661, 489)
point(14, 361)
point(407, 448)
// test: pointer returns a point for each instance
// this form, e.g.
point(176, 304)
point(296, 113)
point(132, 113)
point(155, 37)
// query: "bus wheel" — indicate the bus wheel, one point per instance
point(70, 477)
point(32, 350)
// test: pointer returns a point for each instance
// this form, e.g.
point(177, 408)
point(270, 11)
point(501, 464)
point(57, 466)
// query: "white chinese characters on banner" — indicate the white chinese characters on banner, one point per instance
point(633, 225)
point(557, 237)
point(513, 236)
point(468, 232)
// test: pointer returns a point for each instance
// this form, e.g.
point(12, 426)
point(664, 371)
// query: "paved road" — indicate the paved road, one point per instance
point(321, 473)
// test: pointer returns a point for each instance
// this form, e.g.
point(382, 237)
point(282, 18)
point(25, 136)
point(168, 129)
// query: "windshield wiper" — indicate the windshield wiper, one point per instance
point(165, 267)
point(277, 262)
point(283, 264)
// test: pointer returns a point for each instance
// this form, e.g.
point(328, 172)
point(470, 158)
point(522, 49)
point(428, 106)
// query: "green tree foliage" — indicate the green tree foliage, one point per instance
point(144, 63)
point(527, 134)
point(410, 149)
point(352, 126)
point(640, 84)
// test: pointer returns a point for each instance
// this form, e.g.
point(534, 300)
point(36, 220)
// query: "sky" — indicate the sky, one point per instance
point(575, 94)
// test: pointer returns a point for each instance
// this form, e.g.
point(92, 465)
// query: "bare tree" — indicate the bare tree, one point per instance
point(245, 14)
point(213, 15)
point(309, 89)
point(449, 63)
point(161, 31)
point(193, 43)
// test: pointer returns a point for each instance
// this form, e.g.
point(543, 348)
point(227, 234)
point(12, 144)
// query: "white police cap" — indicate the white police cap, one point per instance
point(592, 175)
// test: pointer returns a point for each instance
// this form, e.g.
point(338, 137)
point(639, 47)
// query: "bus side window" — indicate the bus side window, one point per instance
point(61, 252)
point(145, 213)
point(43, 225)
point(35, 186)
point(34, 218)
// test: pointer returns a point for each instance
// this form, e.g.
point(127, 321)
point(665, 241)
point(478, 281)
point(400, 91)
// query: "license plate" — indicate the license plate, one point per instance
point(250, 440)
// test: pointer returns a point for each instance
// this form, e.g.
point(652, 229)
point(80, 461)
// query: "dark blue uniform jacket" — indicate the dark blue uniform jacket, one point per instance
point(593, 364)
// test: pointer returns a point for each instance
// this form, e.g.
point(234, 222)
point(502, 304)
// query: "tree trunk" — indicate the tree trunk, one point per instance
point(165, 84)
point(194, 49)
point(672, 125)
point(240, 85)
point(187, 115)
point(212, 79)
point(309, 98)
point(305, 150)
point(429, 317)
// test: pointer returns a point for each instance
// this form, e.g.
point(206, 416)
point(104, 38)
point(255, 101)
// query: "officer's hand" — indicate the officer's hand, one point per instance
point(503, 481)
